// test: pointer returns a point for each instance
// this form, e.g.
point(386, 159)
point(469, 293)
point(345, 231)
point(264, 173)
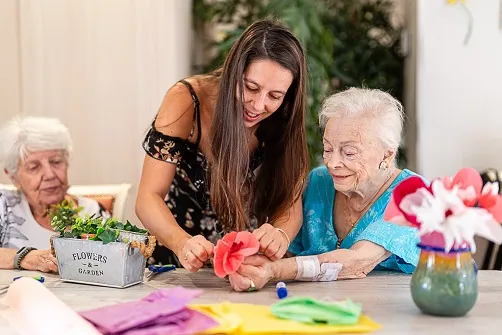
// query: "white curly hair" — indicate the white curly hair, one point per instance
point(25, 134)
point(363, 102)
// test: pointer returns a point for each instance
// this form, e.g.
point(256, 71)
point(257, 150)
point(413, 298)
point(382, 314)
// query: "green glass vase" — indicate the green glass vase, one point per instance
point(445, 283)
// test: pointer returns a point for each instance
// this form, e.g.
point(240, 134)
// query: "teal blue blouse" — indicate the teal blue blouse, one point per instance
point(317, 234)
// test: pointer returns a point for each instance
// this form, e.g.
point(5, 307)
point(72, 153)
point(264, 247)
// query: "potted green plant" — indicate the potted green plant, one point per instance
point(94, 250)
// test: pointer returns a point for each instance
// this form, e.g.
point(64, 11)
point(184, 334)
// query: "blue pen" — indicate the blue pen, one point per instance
point(156, 269)
point(282, 291)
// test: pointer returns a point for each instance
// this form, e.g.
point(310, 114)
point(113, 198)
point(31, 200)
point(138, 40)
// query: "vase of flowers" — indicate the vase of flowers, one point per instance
point(445, 283)
point(448, 213)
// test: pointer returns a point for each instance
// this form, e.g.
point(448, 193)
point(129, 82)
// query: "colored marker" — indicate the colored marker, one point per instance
point(282, 291)
point(39, 278)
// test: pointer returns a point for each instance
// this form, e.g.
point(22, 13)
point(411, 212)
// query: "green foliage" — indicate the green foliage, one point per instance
point(367, 48)
point(127, 226)
point(63, 215)
point(65, 220)
point(107, 235)
point(364, 36)
point(88, 225)
point(348, 43)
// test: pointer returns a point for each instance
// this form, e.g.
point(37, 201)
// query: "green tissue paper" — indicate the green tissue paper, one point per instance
point(312, 311)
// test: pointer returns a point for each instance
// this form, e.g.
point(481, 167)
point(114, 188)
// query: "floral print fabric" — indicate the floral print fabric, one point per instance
point(188, 197)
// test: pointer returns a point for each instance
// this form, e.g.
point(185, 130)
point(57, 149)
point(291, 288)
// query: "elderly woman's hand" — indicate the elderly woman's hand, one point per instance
point(273, 242)
point(40, 260)
point(254, 273)
point(357, 261)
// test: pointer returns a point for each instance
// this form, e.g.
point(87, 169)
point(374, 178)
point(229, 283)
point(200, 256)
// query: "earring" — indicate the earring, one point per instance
point(383, 165)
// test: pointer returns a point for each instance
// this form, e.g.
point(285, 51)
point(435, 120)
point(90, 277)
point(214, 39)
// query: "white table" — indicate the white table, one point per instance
point(385, 298)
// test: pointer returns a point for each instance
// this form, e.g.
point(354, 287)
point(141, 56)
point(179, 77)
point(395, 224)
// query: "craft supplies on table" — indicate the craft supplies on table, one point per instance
point(171, 311)
point(157, 269)
point(4, 289)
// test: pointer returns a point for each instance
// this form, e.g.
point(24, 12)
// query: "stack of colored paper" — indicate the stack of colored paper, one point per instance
point(258, 319)
point(162, 312)
point(31, 307)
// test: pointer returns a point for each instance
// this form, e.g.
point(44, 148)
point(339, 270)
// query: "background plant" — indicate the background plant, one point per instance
point(348, 43)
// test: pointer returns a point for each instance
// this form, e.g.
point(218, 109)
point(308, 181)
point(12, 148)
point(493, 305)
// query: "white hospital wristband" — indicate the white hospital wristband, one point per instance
point(329, 272)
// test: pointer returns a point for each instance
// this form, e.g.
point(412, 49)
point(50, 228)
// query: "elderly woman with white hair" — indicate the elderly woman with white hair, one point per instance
point(345, 200)
point(34, 153)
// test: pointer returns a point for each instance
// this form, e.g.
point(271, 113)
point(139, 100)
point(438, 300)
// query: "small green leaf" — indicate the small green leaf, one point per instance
point(109, 235)
point(68, 234)
point(128, 226)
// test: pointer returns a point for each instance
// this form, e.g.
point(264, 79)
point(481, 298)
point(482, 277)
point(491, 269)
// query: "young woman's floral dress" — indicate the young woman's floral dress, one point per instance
point(188, 197)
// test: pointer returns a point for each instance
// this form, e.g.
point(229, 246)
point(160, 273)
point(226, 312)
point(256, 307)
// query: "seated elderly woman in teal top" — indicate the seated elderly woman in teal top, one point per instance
point(319, 235)
point(344, 234)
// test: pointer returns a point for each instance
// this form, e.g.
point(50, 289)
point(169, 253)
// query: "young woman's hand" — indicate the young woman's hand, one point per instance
point(195, 252)
point(273, 242)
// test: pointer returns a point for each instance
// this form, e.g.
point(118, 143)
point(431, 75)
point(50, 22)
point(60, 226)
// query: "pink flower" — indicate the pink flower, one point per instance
point(449, 212)
point(469, 183)
point(231, 250)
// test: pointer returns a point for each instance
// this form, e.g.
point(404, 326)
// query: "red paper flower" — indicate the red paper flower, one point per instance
point(450, 211)
point(231, 250)
point(491, 200)
point(405, 188)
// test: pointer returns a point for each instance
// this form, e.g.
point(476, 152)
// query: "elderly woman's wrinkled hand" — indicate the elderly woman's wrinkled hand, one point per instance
point(353, 266)
point(254, 273)
point(273, 242)
point(358, 261)
point(40, 260)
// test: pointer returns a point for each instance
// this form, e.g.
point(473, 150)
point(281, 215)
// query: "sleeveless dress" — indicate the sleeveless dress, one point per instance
point(188, 196)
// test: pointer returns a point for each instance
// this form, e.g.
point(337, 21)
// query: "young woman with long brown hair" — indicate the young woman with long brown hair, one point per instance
point(227, 152)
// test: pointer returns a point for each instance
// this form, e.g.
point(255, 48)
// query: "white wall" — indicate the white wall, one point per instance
point(102, 67)
point(458, 87)
point(458, 94)
point(10, 98)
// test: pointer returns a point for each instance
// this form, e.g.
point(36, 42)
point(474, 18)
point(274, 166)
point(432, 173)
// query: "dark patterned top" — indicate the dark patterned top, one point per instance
point(188, 197)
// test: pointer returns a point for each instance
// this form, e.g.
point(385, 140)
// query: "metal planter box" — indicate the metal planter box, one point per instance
point(115, 264)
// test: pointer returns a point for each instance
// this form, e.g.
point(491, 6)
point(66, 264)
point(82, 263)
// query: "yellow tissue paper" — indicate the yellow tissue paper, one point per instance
point(257, 319)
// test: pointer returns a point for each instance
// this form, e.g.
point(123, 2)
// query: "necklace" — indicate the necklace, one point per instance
point(348, 216)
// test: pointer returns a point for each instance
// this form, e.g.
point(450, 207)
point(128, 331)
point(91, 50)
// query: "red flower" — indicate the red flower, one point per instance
point(491, 201)
point(406, 187)
point(231, 250)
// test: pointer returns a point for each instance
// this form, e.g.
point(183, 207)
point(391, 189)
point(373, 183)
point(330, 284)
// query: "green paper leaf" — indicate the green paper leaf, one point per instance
point(312, 311)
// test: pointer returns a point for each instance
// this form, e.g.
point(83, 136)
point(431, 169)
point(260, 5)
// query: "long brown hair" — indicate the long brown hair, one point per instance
point(285, 160)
